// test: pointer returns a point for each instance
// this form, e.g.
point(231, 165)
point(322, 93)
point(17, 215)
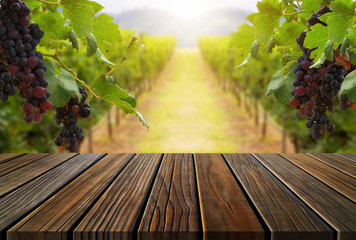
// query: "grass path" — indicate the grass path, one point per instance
point(187, 112)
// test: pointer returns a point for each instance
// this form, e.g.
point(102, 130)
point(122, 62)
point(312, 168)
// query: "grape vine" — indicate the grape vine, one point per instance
point(53, 26)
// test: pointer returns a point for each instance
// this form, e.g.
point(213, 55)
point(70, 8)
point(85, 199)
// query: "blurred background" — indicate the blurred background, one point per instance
point(193, 101)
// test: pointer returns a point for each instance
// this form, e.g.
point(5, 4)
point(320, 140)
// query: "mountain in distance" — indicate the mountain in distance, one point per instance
point(155, 22)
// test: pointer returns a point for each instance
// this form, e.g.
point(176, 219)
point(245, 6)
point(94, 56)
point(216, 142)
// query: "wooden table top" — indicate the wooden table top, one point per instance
point(178, 196)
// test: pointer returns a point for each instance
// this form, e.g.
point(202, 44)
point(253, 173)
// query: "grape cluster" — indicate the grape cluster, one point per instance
point(6, 84)
point(315, 90)
point(18, 41)
point(71, 134)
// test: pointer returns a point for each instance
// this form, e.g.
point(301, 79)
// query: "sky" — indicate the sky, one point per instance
point(182, 8)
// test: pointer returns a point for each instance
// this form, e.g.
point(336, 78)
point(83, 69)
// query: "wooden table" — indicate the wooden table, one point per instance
point(178, 196)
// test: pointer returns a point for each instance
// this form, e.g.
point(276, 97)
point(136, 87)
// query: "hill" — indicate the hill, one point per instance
point(157, 22)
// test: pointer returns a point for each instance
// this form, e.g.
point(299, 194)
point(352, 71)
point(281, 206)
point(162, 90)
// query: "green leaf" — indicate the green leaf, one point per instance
point(312, 6)
point(80, 16)
point(133, 48)
point(54, 27)
point(271, 45)
point(269, 7)
point(340, 20)
point(74, 40)
point(288, 33)
point(281, 85)
point(316, 38)
point(344, 45)
point(319, 62)
point(351, 36)
point(329, 51)
point(243, 39)
point(110, 79)
point(115, 95)
point(349, 86)
point(61, 86)
point(245, 62)
point(107, 33)
point(96, 6)
point(92, 45)
point(265, 25)
point(102, 58)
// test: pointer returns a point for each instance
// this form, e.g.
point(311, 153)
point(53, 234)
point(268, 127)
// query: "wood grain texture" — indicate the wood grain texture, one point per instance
point(19, 162)
point(172, 211)
point(349, 156)
point(56, 217)
point(32, 170)
point(225, 211)
point(284, 214)
point(344, 165)
point(336, 179)
point(17, 204)
point(4, 157)
point(118, 211)
point(336, 209)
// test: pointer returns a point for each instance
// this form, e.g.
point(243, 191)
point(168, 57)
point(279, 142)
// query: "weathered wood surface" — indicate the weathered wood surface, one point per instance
point(172, 209)
point(177, 196)
point(56, 218)
point(340, 163)
point(225, 211)
point(277, 205)
point(117, 213)
point(4, 157)
point(336, 179)
point(336, 209)
point(17, 204)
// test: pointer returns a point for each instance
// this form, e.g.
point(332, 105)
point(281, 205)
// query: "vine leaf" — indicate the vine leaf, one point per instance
point(282, 84)
point(288, 33)
point(311, 6)
point(243, 40)
point(92, 45)
point(316, 38)
point(340, 20)
point(53, 26)
point(349, 86)
point(102, 58)
point(106, 33)
point(96, 6)
point(80, 16)
point(61, 86)
point(352, 36)
point(115, 95)
point(133, 48)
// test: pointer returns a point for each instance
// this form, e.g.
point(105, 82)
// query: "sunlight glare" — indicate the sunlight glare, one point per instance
point(187, 9)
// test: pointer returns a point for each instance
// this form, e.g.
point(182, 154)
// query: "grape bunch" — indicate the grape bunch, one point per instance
point(71, 134)
point(18, 42)
point(6, 84)
point(315, 90)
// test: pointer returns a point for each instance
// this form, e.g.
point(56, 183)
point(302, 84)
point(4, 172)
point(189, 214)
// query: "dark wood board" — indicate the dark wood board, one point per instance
point(16, 178)
point(225, 211)
point(338, 162)
point(172, 211)
point(56, 217)
point(341, 182)
point(286, 216)
point(20, 202)
point(336, 209)
point(4, 157)
point(117, 213)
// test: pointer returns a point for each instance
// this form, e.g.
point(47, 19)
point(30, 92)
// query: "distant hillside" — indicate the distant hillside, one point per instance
point(157, 22)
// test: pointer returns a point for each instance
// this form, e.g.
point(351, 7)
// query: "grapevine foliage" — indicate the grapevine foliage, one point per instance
point(58, 25)
point(320, 37)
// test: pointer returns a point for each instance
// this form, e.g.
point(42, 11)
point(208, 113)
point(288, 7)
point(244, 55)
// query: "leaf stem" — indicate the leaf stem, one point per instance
point(50, 3)
point(292, 14)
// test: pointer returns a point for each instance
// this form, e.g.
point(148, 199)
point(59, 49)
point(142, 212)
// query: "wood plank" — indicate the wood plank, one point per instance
point(336, 209)
point(285, 215)
point(342, 164)
point(225, 211)
point(172, 211)
point(19, 162)
point(349, 156)
point(117, 213)
point(25, 174)
point(4, 157)
point(20, 202)
point(336, 179)
point(63, 210)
